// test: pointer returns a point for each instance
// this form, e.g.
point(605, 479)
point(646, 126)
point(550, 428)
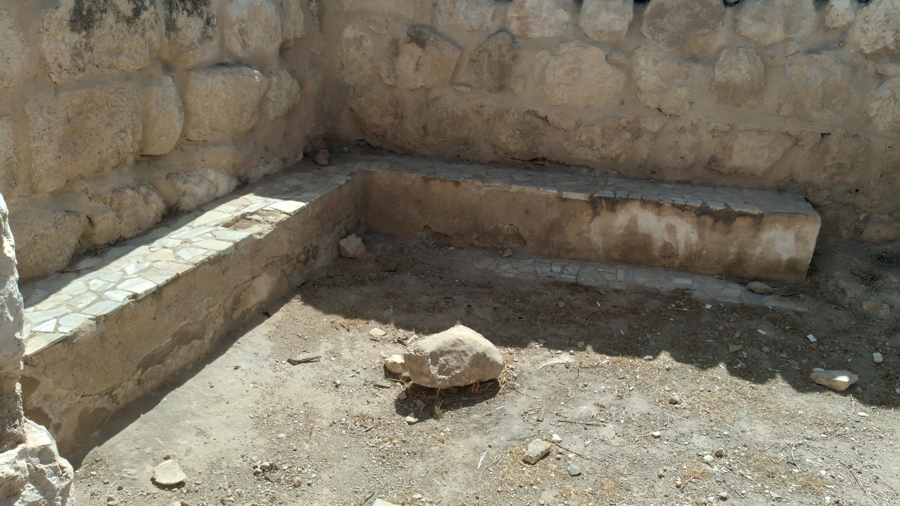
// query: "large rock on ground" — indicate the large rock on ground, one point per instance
point(192, 35)
point(491, 66)
point(768, 22)
point(81, 38)
point(252, 30)
point(423, 58)
point(816, 87)
point(536, 19)
point(456, 357)
point(739, 77)
point(578, 75)
point(606, 21)
point(13, 55)
point(220, 102)
point(884, 109)
point(83, 132)
point(472, 15)
point(661, 81)
point(876, 33)
point(163, 117)
point(33, 473)
point(687, 27)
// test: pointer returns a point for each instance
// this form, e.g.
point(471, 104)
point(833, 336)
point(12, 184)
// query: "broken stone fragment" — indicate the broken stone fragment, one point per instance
point(837, 380)
point(537, 450)
point(395, 364)
point(322, 157)
point(453, 358)
point(352, 246)
point(168, 474)
point(760, 288)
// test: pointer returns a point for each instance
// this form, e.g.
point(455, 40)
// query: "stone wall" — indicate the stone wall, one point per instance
point(113, 112)
point(802, 95)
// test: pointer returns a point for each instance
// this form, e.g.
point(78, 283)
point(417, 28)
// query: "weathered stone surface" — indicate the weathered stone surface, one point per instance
point(79, 38)
point(750, 152)
point(880, 230)
point(536, 19)
point(771, 21)
point(676, 148)
point(816, 87)
point(357, 57)
point(192, 36)
point(283, 94)
point(33, 473)
point(395, 364)
point(12, 344)
point(688, 27)
point(163, 117)
point(293, 22)
point(13, 54)
point(456, 357)
point(836, 380)
point(760, 288)
point(101, 226)
point(536, 450)
point(136, 208)
point(839, 14)
point(446, 121)
point(45, 239)
point(252, 30)
point(191, 189)
point(168, 474)
point(423, 58)
point(220, 102)
point(83, 132)
point(9, 160)
point(606, 21)
point(884, 109)
point(876, 33)
point(518, 134)
point(578, 75)
point(351, 246)
point(609, 138)
point(491, 66)
point(400, 8)
point(661, 81)
point(739, 77)
point(470, 14)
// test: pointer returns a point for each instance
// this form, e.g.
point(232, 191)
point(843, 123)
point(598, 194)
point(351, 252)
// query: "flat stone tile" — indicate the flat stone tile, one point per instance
point(103, 308)
point(39, 342)
point(36, 317)
point(71, 322)
point(139, 286)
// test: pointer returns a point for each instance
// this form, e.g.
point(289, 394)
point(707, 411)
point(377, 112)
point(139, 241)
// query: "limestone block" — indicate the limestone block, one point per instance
point(192, 35)
point(491, 66)
point(517, 134)
point(357, 57)
point(80, 38)
point(609, 138)
point(12, 345)
point(473, 15)
point(606, 21)
point(101, 226)
point(884, 109)
point(456, 357)
point(83, 132)
point(137, 208)
point(283, 94)
point(9, 161)
point(578, 75)
point(33, 473)
point(676, 148)
point(535, 19)
point(352, 247)
point(661, 80)
point(46, 238)
point(252, 30)
point(13, 55)
point(739, 77)
point(688, 27)
point(163, 117)
point(876, 33)
point(423, 58)
point(195, 188)
point(221, 102)
point(750, 152)
point(839, 14)
point(816, 87)
point(771, 21)
point(837, 380)
point(293, 22)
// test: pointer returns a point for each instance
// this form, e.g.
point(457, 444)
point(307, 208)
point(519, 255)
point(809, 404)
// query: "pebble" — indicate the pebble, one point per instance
point(556, 438)
point(561, 304)
point(760, 288)
point(507, 253)
point(411, 419)
point(708, 458)
point(720, 452)
point(723, 495)
point(168, 474)
point(298, 482)
point(674, 399)
point(322, 157)
point(574, 470)
point(377, 332)
point(537, 450)
point(766, 349)
point(877, 358)
point(656, 434)
point(733, 348)
point(382, 384)
point(337, 383)
point(396, 364)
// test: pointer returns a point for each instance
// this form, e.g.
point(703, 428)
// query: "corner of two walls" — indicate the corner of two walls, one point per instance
point(799, 95)
point(114, 112)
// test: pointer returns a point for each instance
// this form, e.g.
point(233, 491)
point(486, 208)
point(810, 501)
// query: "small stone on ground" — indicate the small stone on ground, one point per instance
point(323, 157)
point(352, 247)
point(574, 470)
point(168, 474)
point(837, 380)
point(377, 332)
point(537, 450)
point(395, 364)
point(760, 288)
point(877, 358)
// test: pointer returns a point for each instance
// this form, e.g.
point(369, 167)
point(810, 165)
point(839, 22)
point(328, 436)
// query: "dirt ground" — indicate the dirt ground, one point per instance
point(601, 370)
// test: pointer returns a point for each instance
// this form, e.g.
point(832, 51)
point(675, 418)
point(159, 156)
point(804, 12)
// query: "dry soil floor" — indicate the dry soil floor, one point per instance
point(602, 371)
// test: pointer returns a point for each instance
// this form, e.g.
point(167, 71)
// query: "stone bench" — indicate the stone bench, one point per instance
point(115, 326)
